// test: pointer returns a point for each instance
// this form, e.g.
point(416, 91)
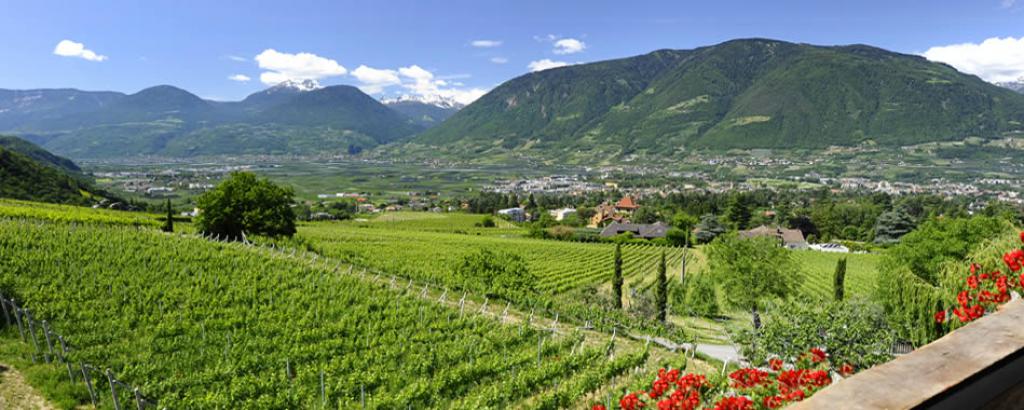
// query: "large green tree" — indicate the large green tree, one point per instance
point(709, 228)
point(752, 270)
point(892, 225)
point(246, 204)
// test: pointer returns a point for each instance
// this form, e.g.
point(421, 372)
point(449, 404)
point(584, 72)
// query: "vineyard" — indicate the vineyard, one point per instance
point(201, 324)
point(429, 256)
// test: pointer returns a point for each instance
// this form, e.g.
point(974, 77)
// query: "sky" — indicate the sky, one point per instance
point(456, 49)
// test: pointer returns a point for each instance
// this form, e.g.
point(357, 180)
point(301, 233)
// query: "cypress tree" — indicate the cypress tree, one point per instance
point(617, 278)
point(169, 222)
point(661, 295)
point(839, 280)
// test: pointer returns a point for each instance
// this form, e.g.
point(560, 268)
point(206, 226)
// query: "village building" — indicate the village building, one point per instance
point(789, 238)
point(626, 205)
point(603, 215)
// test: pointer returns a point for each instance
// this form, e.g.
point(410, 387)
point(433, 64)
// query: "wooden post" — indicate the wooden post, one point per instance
point(88, 384)
point(17, 317)
point(138, 399)
point(3, 303)
point(483, 307)
point(49, 344)
point(32, 331)
point(113, 389)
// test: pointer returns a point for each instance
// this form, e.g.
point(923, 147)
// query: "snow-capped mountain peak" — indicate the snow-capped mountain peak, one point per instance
point(303, 85)
point(435, 100)
point(1017, 86)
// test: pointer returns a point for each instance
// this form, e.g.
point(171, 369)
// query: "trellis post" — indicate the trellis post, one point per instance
point(17, 317)
point(113, 389)
point(138, 399)
point(88, 384)
point(3, 303)
point(32, 330)
point(49, 344)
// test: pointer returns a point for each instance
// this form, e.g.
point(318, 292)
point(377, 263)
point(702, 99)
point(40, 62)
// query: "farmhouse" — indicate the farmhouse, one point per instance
point(603, 214)
point(651, 231)
point(790, 238)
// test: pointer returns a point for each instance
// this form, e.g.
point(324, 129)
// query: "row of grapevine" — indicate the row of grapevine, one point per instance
point(429, 256)
point(200, 324)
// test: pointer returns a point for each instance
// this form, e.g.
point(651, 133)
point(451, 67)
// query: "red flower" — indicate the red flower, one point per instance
point(972, 281)
point(974, 268)
point(1022, 236)
point(775, 364)
point(773, 402)
point(963, 298)
point(818, 355)
point(847, 369)
point(734, 403)
point(599, 407)
point(940, 316)
point(746, 378)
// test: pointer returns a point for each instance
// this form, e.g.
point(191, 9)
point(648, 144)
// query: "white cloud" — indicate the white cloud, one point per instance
point(486, 43)
point(569, 46)
point(1007, 3)
point(541, 65)
point(499, 60)
point(68, 48)
point(994, 60)
point(236, 58)
point(423, 83)
point(302, 66)
point(239, 77)
point(375, 80)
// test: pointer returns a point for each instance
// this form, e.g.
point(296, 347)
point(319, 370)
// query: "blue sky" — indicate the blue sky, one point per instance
point(457, 49)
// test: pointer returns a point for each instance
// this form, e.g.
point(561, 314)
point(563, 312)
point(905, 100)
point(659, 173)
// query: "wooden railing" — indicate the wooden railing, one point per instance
point(979, 366)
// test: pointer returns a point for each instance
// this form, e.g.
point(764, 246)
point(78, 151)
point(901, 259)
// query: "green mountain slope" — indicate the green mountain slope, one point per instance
point(739, 94)
point(38, 154)
point(23, 178)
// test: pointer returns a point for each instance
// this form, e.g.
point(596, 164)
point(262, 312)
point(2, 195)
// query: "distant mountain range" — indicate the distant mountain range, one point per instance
point(1017, 86)
point(753, 93)
point(424, 111)
point(739, 94)
point(290, 118)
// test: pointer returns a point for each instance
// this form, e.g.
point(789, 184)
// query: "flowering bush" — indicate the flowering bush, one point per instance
point(745, 389)
point(985, 291)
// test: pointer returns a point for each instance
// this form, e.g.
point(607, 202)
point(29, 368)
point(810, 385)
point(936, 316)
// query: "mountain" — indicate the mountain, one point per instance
point(38, 154)
point(290, 118)
point(425, 112)
point(752, 93)
point(19, 108)
point(1017, 86)
point(28, 172)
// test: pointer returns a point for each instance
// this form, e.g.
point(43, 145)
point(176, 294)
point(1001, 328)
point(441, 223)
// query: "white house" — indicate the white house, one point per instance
point(560, 214)
point(515, 214)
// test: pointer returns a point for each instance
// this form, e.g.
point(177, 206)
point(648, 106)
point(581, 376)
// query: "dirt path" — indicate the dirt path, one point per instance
point(16, 393)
